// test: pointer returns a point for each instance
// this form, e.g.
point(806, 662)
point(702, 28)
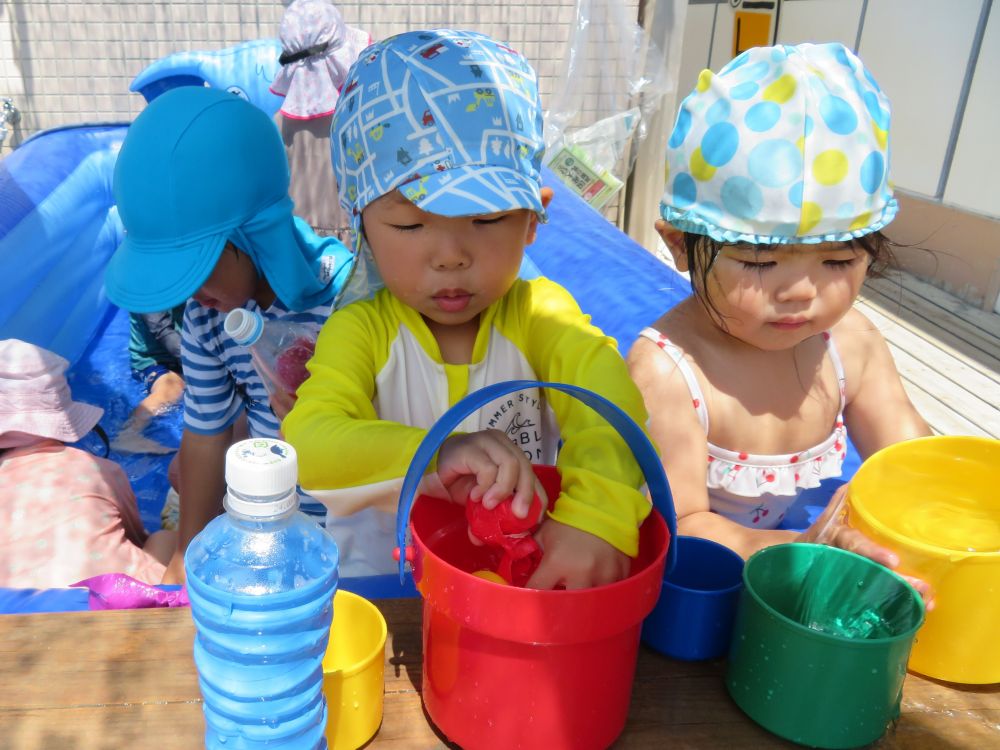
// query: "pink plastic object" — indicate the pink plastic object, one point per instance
point(119, 591)
point(279, 349)
point(508, 667)
point(290, 366)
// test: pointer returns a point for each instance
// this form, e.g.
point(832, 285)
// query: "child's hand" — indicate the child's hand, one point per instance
point(831, 528)
point(487, 466)
point(575, 559)
point(282, 403)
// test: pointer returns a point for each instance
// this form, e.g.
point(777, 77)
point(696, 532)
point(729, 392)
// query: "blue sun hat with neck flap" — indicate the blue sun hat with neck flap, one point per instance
point(200, 167)
point(452, 119)
point(785, 145)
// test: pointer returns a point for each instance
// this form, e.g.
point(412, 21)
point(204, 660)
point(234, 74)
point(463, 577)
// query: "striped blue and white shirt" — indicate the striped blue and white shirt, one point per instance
point(221, 382)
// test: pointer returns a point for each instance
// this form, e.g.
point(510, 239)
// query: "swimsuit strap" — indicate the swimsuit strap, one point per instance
point(838, 367)
point(671, 350)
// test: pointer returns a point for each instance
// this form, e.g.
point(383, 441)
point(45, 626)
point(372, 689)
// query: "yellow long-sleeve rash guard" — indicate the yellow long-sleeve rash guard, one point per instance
point(378, 383)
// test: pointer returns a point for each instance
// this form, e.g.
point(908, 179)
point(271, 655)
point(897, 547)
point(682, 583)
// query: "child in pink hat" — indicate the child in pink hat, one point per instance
point(65, 514)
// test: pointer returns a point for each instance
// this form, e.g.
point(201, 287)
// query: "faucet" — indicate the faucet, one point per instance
point(9, 115)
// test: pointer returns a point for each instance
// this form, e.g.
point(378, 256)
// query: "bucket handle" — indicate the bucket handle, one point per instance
point(631, 433)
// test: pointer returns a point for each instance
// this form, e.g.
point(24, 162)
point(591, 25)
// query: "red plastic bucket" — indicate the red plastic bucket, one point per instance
point(506, 667)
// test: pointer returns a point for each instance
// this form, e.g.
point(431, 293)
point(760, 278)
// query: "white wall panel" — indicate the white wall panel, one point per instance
point(722, 43)
point(71, 61)
point(819, 21)
point(697, 39)
point(974, 181)
point(918, 51)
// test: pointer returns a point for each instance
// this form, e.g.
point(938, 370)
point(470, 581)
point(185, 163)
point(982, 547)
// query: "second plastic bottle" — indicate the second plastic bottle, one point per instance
point(278, 348)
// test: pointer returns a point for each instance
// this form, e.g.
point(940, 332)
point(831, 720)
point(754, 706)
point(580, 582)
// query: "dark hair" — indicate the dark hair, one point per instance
point(702, 252)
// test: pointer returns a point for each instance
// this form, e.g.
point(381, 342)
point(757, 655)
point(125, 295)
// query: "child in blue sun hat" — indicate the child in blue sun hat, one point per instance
point(436, 145)
point(777, 189)
point(201, 185)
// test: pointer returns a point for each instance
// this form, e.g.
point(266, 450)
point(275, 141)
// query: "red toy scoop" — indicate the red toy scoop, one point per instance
point(500, 528)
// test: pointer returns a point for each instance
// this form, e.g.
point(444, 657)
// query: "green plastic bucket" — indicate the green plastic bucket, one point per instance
point(820, 644)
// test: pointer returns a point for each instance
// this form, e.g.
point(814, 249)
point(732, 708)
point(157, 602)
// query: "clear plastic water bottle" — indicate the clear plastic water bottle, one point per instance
point(278, 348)
point(261, 579)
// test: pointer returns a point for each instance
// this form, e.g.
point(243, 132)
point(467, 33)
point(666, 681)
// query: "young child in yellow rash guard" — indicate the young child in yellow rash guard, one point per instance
point(436, 146)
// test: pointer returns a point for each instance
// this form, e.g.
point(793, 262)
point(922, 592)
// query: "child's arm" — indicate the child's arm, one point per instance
point(211, 406)
point(202, 485)
point(349, 459)
point(683, 445)
point(878, 411)
point(600, 479)
point(161, 326)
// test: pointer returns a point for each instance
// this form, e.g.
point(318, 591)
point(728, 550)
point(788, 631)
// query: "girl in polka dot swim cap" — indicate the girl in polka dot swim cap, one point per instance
point(777, 189)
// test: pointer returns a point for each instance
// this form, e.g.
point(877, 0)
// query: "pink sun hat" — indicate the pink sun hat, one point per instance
point(318, 48)
point(35, 400)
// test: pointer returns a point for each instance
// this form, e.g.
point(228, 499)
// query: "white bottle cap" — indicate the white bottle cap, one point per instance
point(261, 474)
point(244, 326)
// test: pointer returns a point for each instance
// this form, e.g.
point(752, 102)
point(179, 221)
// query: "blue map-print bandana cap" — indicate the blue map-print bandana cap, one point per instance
point(450, 118)
point(784, 145)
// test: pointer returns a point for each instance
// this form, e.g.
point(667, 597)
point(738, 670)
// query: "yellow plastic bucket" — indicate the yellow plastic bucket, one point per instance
point(935, 502)
point(353, 672)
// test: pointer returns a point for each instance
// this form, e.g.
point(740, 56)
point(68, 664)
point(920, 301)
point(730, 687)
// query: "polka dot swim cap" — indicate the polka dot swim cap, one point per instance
point(784, 145)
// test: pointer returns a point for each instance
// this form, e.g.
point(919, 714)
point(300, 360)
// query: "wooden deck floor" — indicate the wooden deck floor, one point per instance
point(947, 352)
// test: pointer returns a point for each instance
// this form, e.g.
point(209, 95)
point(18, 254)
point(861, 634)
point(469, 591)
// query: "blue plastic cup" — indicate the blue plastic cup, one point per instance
point(693, 618)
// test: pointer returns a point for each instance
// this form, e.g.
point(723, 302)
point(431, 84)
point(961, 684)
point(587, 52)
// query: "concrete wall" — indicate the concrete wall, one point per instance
point(71, 61)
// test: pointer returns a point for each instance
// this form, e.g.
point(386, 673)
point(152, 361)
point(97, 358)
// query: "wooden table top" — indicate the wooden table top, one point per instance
point(101, 680)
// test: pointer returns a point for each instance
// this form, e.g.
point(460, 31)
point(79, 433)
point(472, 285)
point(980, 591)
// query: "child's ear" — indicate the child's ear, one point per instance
point(673, 238)
point(546, 196)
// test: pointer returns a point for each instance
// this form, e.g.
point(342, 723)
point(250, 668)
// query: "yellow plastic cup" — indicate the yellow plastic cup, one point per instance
point(353, 671)
point(935, 502)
